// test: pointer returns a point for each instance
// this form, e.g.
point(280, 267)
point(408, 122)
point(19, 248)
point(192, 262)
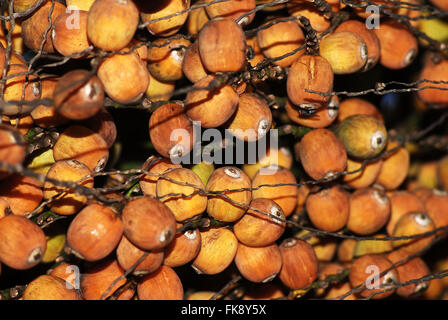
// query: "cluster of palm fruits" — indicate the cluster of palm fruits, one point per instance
point(317, 215)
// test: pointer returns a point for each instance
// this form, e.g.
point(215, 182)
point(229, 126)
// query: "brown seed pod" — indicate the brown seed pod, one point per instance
point(23, 194)
point(163, 284)
point(281, 157)
point(345, 51)
point(346, 250)
point(35, 28)
point(82, 144)
point(328, 209)
point(369, 211)
point(171, 131)
point(161, 8)
point(124, 76)
point(201, 104)
point(352, 106)
point(222, 46)
point(251, 262)
point(322, 118)
point(17, 86)
point(165, 58)
point(363, 178)
point(96, 284)
point(368, 36)
point(218, 249)
point(395, 167)
point(159, 90)
point(66, 201)
point(436, 206)
point(148, 223)
point(310, 73)
point(95, 232)
point(232, 9)
point(284, 196)
point(402, 202)
point(184, 248)
point(414, 268)
point(190, 203)
point(78, 95)
point(302, 8)
point(410, 224)
point(197, 19)
point(365, 271)
point(279, 39)
point(228, 206)
point(128, 255)
point(433, 72)
point(46, 116)
point(103, 124)
point(156, 167)
point(399, 47)
point(22, 242)
point(300, 265)
point(69, 36)
point(322, 154)
point(111, 24)
point(12, 147)
point(261, 225)
point(252, 119)
point(192, 65)
point(47, 287)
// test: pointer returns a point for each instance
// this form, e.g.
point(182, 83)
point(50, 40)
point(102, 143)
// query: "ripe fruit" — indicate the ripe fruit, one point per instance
point(184, 248)
point(251, 262)
point(262, 224)
point(310, 73)
point(22, 193)
point(218, 249)
point(365, 271)
point(369, 211)
point(97, 281)
point(159, 90)
point(311, 12)
point(82, 144)
point(201, 104)
point(352, 106)
point(95, 232)
point(398, 45)
point(148, 223)
point(65, 201)
point(12, 147)
point(158, 9)
point(197, 19)
point(124, 76)
point(165, 58)
point(148, 182)
point(364, 136)
point(395, 167)
point(163, 284)
point(323, 117)
point(322, 154)
point(346, 52)
point(252, 119)
point(111, 24)
point(279, 39)
point(190, 202)
point(280, 157)
point(78, 95)
point(328, 209)
point(36, 26)
point(362, 178)
point(222, 46)
point(128, 255)
point(346, 250)
point(70, 39)
point(103, 124)
point(192, 65)
point(410, 224)
point(433, 72)
point(284, 196)
point(436, 205)
point(402, 202)
point(80, 4)
point(171, 131)
point(46, 287)
point(232, 9)
point(22, 242)
point(228, 206)
point(300, 265)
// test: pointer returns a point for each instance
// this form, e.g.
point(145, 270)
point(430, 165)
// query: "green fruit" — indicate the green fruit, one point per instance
point(55, 244)
point(203, 170)
point(364, 136)
point(435, 29)
point(364, 247)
